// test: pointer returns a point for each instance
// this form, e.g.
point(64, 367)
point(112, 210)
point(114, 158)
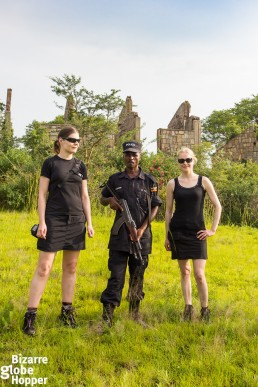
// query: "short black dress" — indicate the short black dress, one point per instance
point(186, 221)
point(64, 215)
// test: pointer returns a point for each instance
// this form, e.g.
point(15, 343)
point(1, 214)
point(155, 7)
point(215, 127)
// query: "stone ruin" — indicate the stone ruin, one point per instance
point(129, 121)
point(7, 127)
point(54, 129)
point(182, 130)
point(242, 147)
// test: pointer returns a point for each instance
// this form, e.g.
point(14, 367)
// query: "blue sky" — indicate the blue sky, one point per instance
point(161, 53)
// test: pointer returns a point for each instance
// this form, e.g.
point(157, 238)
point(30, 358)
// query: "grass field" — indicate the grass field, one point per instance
point(168, 352)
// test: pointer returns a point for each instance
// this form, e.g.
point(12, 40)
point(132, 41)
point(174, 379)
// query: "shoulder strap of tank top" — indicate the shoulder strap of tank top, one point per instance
point(200, 180)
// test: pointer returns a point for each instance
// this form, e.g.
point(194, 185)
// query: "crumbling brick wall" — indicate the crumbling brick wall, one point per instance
point(129, 121)
point(244, 146)
point(183, 130)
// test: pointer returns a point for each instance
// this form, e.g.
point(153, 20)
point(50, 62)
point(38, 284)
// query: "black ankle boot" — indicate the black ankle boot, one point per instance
point(29, 323)
point(134, 307)
point(188, 313)
point(205, 314)
point(67, 316)
point(108, 312)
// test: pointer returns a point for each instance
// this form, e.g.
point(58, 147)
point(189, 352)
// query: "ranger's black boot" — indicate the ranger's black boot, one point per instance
point(108, 312)
point(134, 307)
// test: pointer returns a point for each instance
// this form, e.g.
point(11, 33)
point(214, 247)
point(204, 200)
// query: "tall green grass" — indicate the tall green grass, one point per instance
point(168, 352)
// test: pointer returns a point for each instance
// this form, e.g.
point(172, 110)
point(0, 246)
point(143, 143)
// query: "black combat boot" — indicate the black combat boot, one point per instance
point(134, 307)
point(29, 321)
point(205, 314)
point(188, 313)
point(108, 312)
point(67, 316)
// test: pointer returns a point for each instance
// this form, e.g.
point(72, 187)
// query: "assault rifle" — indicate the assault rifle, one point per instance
point(126, 218)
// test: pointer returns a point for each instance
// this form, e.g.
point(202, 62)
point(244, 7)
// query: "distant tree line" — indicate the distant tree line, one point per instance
point(96, 118)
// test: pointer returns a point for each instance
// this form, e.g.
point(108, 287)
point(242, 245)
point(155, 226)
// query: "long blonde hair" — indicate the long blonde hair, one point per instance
point(189, 151)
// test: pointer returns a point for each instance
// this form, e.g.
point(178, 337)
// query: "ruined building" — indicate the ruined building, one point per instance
point(183, 130)
point(244, 146)
point(69, 108)
point(129, 121)
point(54, 129)
point(7, 129)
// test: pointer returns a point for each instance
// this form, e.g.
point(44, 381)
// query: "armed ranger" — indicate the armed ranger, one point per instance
point(126, 218)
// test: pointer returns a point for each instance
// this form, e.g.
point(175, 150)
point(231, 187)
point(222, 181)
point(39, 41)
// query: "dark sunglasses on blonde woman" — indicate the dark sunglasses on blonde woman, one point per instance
point(188, 160)
point(71, 139)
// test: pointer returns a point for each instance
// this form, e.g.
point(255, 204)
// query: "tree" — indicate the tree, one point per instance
point(247, 110)
point(94, 115)
point(237, 186)
point(37, 142)
point(2, 109)
point(222, 125)
point(19, 174)
point(6, 131)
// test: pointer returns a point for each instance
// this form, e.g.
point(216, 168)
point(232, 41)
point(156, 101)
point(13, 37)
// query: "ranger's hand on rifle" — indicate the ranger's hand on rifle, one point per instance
point(114, 204)
point(140, 232)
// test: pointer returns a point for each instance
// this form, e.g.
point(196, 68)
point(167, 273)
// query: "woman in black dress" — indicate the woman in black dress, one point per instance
point(186, 234)
point(63, 208)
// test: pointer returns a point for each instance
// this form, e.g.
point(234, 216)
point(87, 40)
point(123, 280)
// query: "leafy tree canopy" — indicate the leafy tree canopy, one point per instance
point(2, 109)
point(37, 141)
point(222, 125)
point(7, 139)
point(94, 115)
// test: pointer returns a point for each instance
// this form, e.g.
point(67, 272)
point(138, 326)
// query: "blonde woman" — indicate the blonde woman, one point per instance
point(186, 234)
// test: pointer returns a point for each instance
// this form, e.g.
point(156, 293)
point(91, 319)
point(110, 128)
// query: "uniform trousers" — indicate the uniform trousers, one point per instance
point(117, 264)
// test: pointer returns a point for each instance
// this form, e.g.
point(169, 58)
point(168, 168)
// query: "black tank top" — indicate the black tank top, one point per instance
point(188, 214)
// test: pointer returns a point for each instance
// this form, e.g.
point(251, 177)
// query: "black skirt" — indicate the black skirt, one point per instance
point(63, 233)
point(185, 245)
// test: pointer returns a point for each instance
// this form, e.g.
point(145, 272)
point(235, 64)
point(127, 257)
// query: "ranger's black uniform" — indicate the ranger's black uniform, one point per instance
point(141, 194)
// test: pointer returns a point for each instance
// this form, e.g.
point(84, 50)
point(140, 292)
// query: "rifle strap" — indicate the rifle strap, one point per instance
point(148, 199)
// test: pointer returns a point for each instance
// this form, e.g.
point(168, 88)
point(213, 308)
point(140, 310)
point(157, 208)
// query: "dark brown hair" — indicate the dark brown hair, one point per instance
point(64, 133)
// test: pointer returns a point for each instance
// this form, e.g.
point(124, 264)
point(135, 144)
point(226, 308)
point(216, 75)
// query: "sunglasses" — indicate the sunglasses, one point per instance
point(188, 160)
point(71, 139)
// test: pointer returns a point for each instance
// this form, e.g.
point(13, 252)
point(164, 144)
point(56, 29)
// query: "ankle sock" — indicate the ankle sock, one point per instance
point(66, 305)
